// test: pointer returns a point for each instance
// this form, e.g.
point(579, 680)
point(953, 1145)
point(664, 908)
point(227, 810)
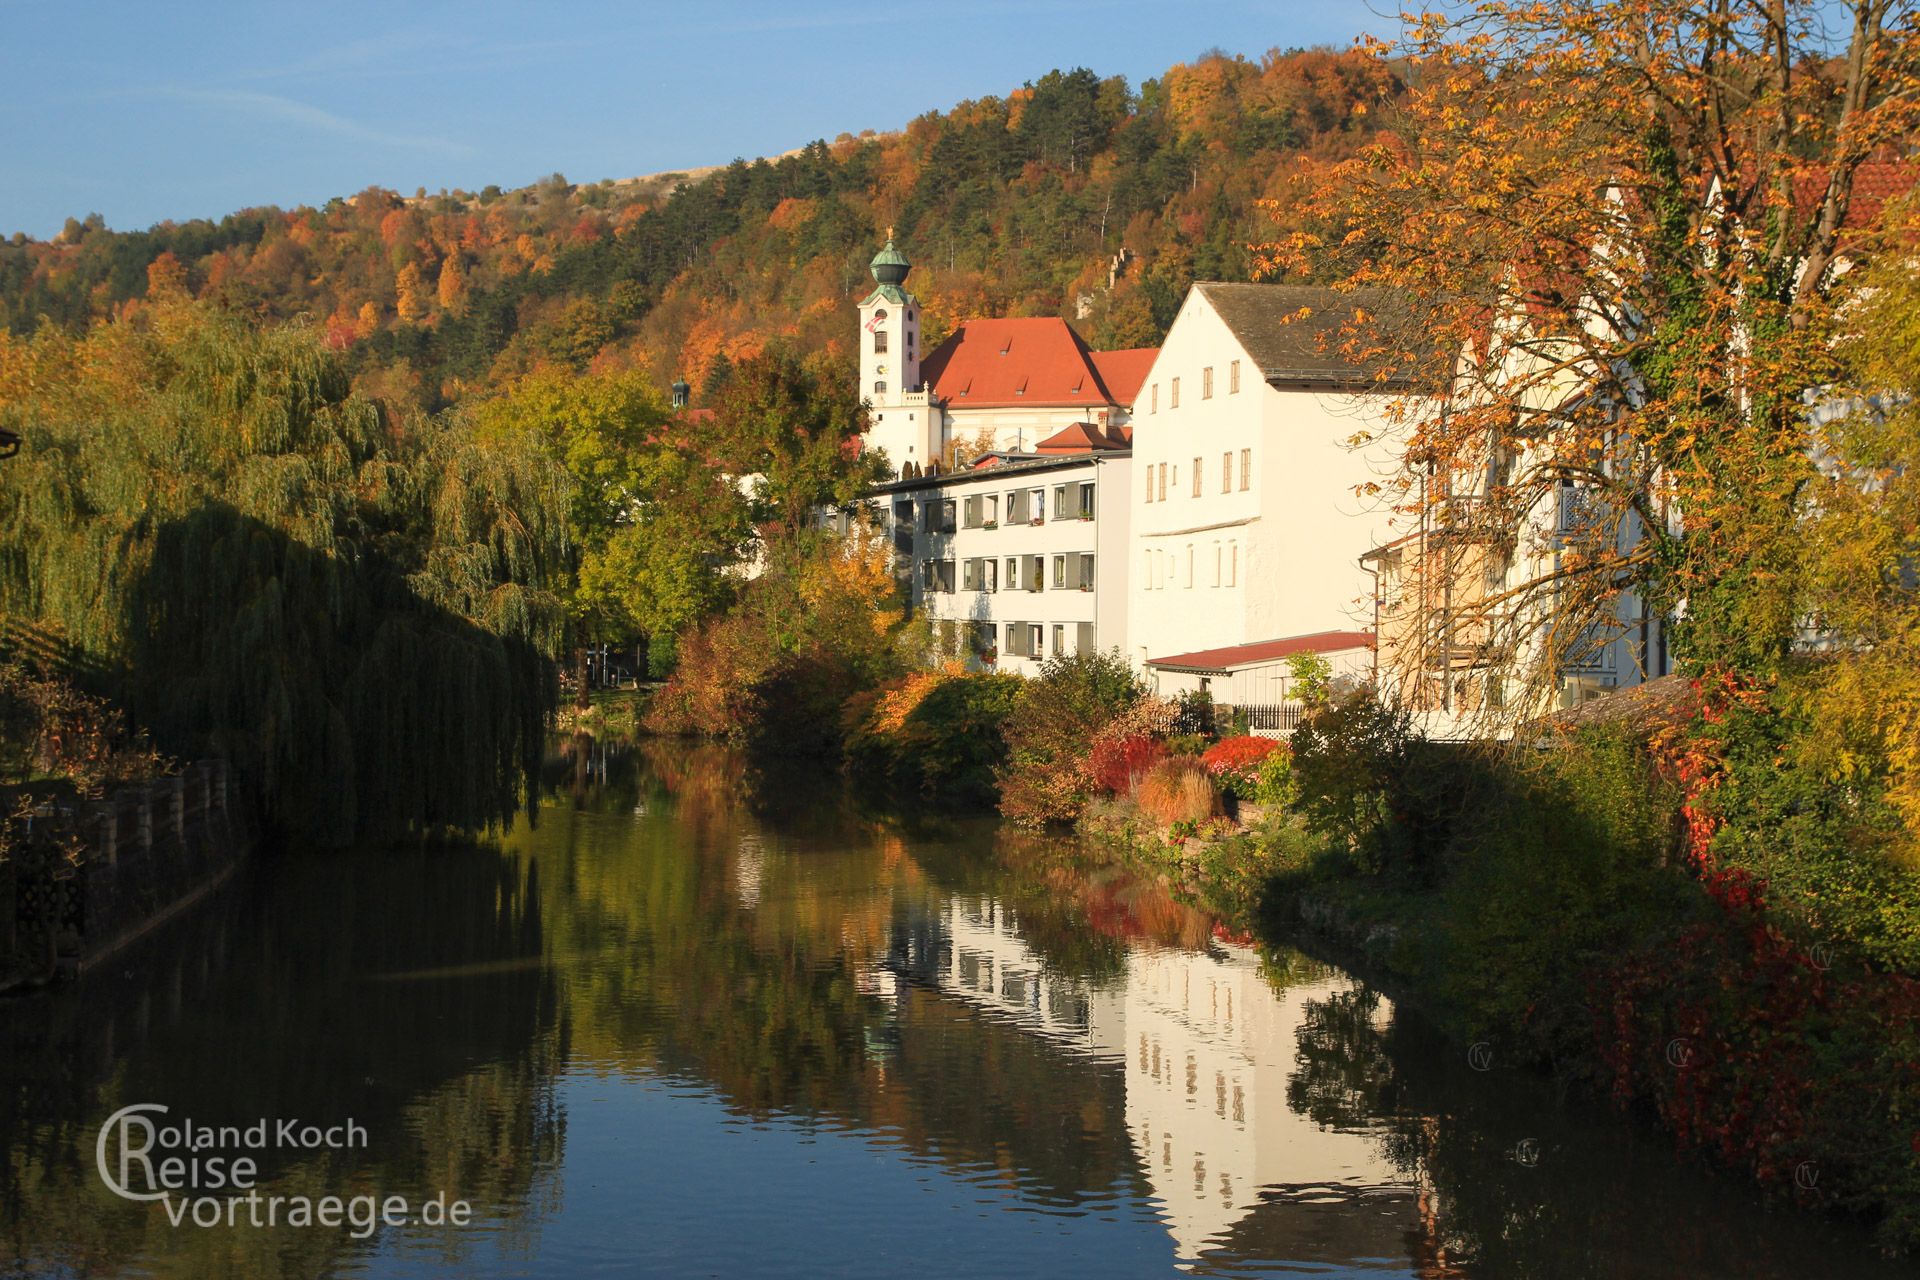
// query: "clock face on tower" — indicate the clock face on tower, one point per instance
point(879, 371)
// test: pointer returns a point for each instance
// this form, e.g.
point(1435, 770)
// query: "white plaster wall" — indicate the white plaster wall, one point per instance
point(1104, 536)
point(1288, 545)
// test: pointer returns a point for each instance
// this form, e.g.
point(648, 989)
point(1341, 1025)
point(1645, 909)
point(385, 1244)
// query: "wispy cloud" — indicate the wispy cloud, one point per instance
point(248, 103)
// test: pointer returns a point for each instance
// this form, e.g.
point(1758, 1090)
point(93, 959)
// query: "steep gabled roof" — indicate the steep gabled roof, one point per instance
point(1124, 372)
point(1002, 363)
point(1295, 333)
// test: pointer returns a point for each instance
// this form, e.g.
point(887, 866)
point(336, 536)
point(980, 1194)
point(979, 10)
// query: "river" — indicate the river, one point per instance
point(686, 1021)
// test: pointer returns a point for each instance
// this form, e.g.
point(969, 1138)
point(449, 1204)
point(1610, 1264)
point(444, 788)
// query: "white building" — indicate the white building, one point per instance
point(1007, 384)
point(1009, 558)
point(1248, 520)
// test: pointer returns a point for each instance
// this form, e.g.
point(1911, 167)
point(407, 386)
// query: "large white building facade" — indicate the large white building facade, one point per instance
point(1248, 511)
point(1009, 560)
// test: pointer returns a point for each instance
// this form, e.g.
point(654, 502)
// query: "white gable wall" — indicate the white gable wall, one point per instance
point(1287, 545)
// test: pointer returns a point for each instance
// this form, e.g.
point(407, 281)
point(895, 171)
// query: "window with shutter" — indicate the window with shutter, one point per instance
point(991, 568)
point(1059, 639)
point(1083, 640)
point(1086, 502)
point(1086, 571)
point(1036, 573)
point(1059, 572)
point(1036, 644)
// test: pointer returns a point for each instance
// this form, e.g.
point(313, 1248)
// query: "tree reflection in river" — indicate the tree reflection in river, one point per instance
point(693, 1017)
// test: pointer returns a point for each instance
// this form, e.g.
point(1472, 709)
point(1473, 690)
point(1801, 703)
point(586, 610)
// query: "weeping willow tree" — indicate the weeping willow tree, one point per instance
point(354, 609)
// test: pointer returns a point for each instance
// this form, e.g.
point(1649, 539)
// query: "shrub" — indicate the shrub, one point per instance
point(1349, 760)
point(1048, 776)
point(1177, 791)
point(1118, 762)
point(1274, 784)
point(935, 733)
point(1235, 763)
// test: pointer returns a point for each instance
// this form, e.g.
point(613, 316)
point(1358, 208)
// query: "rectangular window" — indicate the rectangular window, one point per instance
point(971, 519)
point(1086, 502)
point(1086, 571)
point(880, 340)
point(1206, 383)
point(1015, 633)
point(1163, 482)
point(1149, 484)
point(1059, 638)
point(1013, 573)
point(1036, 573)
point(946, 516)
point(1173, 394)
point(1196, 477)
point(1218, 564)
point(1189, 564)
point(1233, 378)
point(1233, 563)
point(1059, 572)
point(970, 575)
point(1060, 509)
point(991, 582)
point(990, 510)
point(1226, 472)
point(1083, 640)
point(1153, 402)
point(1246, 468)
point(1036, 641)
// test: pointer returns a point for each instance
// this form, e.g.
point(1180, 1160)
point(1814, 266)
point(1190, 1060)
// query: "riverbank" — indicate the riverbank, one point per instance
point(1541, 907)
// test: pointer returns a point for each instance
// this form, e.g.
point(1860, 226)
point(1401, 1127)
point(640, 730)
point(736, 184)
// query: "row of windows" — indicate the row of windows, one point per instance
point(1029, 639)
point(1206, 387)
point(1157, 475)
point(1072, 571)
point(1028, 506)
point(1164, 569)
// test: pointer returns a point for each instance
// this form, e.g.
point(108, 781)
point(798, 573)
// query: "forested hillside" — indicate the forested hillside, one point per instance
point(1015, 205)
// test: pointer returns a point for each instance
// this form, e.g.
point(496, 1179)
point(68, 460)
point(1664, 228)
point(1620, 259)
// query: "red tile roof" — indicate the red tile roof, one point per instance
point(1243, 655)
point(1029, 361)
point(1875, 184)
point(1123, 372)
point(1082, 437)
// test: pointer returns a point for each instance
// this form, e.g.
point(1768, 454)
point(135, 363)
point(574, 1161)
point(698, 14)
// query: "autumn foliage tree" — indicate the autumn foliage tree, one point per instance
point(1615, 227)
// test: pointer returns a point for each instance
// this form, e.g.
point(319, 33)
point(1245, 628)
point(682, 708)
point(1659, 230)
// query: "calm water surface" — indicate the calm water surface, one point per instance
point(687, 1023)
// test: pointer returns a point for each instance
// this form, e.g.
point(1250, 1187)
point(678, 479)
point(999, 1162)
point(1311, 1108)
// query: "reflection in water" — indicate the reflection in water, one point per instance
point(692, 1019)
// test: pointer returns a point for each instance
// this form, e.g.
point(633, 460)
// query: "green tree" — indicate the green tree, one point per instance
point(792, 427)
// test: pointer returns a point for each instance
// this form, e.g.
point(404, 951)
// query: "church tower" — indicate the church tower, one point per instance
point(900, 411)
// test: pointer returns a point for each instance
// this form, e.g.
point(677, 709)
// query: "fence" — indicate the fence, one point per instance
point(80, 879)
point(1265, 720)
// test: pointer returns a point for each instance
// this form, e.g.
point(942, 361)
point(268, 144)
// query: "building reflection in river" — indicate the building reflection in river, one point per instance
point(1207, 1044)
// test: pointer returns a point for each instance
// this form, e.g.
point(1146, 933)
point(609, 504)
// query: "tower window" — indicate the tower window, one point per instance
point(880, 388)
point(879, 339)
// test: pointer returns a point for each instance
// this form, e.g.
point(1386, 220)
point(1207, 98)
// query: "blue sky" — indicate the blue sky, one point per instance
point(150, 111)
